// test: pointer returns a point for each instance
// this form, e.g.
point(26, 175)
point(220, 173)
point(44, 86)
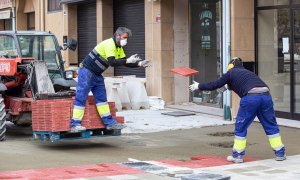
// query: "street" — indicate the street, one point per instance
point(19, 151)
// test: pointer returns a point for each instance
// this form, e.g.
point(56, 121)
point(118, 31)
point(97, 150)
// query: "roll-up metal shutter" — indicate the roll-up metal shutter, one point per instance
point(130, 14)
point(87, 35)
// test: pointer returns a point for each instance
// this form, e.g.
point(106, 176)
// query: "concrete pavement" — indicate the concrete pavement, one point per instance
point(197, 168)
point(263, 169)
point(171, 168)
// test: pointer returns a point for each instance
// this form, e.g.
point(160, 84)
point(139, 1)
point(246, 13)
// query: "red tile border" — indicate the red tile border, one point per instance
point(84, 171)
point(203, 161)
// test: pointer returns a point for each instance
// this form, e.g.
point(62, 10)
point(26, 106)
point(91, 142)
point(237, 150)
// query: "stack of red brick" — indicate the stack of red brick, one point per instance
point(54, 115)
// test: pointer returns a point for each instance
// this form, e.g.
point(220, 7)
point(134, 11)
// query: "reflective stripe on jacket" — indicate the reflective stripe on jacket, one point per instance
point(96, 60)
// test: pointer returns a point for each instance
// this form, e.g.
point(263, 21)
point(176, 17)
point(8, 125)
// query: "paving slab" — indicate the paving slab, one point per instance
point(262, 169)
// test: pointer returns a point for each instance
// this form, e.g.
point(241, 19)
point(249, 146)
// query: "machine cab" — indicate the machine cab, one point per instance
point(39, 46)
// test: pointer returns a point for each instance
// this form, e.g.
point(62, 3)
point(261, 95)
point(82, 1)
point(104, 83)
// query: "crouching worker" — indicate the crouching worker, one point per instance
point(107, 53)
point(255, 101)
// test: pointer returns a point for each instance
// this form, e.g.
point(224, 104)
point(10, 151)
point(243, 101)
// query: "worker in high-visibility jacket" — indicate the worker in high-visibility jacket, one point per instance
point(107, 53)
point(255, 101)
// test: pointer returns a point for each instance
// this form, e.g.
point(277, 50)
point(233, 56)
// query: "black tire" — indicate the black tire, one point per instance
point(2, 119)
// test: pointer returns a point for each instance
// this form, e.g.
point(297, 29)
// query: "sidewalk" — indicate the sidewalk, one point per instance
point(216, 168)
point(263, 169)
point(147, 120)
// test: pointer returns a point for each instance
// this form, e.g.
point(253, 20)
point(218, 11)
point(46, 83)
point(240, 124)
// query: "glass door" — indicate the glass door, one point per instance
point(206, 47)
point(274, 56)
point(296, 62)
point(278, 53)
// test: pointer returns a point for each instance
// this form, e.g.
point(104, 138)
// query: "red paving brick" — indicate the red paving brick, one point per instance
point(51, 115)
point(55, 115)
point(184, 71)
point(203, 161)
point(84, 171)
point(99, 170)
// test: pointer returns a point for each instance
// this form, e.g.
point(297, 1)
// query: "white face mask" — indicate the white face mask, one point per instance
point(123, 42)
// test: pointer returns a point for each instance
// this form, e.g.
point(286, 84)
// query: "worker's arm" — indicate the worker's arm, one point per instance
point(132, 65)
point(216, 84)
point(120, 62)
point(112, 61)
point(116, 62)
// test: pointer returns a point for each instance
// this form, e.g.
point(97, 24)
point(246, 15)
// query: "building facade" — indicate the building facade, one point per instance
point(6, 16)
point(200, 34)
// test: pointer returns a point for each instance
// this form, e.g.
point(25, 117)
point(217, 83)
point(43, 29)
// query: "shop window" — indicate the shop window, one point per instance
point(206, 46)
point(7, 24)
point(296, 1)
point(274, 54)
point(272, 2)
point(31, 21)
point(54, 5)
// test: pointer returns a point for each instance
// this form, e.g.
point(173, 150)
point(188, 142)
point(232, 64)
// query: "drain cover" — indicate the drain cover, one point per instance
point(206, 176)
point(178, 113)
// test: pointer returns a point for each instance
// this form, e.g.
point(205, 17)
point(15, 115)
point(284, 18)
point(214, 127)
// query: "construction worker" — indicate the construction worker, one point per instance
point(107, 53)
point(255, 101)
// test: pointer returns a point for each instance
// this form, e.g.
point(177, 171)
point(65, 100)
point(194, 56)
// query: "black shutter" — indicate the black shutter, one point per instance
point(87, 34)
point(130, 14)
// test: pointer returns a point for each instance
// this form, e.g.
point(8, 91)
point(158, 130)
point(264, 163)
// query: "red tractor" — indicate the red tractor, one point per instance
point(31, 67)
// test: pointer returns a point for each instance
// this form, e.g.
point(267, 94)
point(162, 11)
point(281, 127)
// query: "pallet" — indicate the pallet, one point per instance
point(65, 135)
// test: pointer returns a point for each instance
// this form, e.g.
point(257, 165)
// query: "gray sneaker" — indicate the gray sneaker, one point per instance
point(77, 128)
point(235, 159)
point(116, 126)
point(278, 158)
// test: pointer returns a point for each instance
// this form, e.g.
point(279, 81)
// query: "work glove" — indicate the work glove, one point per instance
point(194, 86)
point(144, 63)
point(133, 59)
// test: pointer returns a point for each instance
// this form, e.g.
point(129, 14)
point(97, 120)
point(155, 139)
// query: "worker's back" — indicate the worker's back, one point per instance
point(241, 80)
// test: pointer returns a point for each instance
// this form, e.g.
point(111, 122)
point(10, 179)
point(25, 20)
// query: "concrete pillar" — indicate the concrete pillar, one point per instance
point(105, 25)
point(181, 49)
point(37, 11)
point(21, 18)
point(159, 45)
point(68, 28)
point(242, 36)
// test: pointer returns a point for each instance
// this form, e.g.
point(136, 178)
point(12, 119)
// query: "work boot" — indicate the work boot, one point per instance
point(116, 126)
point(280, 154)
point(76, 126)
point(280, 158)
point(238, 159)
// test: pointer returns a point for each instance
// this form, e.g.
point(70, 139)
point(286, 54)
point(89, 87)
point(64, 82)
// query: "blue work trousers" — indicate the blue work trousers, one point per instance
point(262, 107)
point(88, 81)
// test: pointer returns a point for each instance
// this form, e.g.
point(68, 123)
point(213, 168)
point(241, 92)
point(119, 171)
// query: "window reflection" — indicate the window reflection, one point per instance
point(272, 2)
point(274, 54)
point(297, 59)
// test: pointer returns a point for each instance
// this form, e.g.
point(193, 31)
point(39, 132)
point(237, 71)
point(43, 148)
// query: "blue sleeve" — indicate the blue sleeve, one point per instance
point(216, 84)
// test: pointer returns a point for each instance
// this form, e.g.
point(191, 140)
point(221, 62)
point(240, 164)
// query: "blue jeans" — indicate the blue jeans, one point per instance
point(262, 107)
point(88, 81)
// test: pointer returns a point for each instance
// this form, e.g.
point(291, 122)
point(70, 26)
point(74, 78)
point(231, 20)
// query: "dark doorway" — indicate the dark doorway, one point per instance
point(131, 14)
point(87, 28)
